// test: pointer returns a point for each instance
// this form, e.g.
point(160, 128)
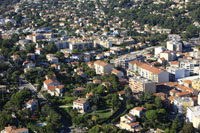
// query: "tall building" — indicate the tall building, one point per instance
point(174, 45)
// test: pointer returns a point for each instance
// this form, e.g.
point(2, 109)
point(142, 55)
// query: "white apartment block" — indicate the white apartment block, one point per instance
point(193, 116)
point(176, 73)
point(174, 45)
point(190, 64)
point(147, 71)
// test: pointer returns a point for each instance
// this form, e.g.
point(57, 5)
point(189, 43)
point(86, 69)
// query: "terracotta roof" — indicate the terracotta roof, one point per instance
point(171, 98)
point(49, 81)
point(81, 100)
point(183, 88)
point(115, 71)
point(174, 63)
point(146, 67)
point(31, 101)
point(187, 81)
point(183, 93)
point(101, 63)
point(173, 90)
point(121, 92)
point(133, 124)
point(138, 108)
point(89, 94)
point(79, 89)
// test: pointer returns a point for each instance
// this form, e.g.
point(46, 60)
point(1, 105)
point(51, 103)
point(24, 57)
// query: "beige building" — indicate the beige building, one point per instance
point(13, 129)
point(168, 55)
point(174, 45)
point(196, 84)
point(102, 67)
point(140, 84)
point(193, 116)
point(147, 71)
point(138, 111)
point(81, 105)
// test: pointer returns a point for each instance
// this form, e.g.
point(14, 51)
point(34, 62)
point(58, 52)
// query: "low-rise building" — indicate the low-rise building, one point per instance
point(118, 73)
point(138, 111)
point(81, 105)
point(31, 104)
point(13, 129)
point(102, 67)
point(140, 84)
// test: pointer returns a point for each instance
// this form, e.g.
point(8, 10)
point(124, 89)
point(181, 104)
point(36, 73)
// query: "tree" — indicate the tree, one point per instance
point(158, 102)
point(128, 92)
point(51, 48)
point(177, 124)
point(188, 128)
point(151, 115)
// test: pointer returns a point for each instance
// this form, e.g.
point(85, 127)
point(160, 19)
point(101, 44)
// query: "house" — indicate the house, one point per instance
point(121, 94)
point(100, 56)
point(56, 66)
point(2, 87)
point(38, 51)
point(138, 111)
point(102, 67)
point(96, 81)
point(31, 104)
point(28, 64)
point(140, 84)
point(118, 73)
point(81, 105)
point(145, 70)
point(53, 60)
point(13, 129)
point(50, 82)
point(79, 89)
point(55, 90)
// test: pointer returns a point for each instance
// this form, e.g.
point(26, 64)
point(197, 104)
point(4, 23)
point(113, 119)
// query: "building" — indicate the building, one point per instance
point(118, 73)
point(80, 44)
point(196, 84)
point(181, 103)
point(158, 50)
point(176, 73)
point(193, 116)
point(190, 64)
point(147, 71)
point(2, 87)
point(13, 129)
point(102, 67)
point(102, 43)
point(138, 111)
point(168, 55)
point(122, 61)
point(174, 45)
point(31, 104)
point(140, 84)
point(81, 105)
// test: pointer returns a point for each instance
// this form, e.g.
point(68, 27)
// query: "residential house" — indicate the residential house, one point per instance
point(81, 105)
point(102, 67)
point(31, 104)
point(13, 129)
point(2, 87)
point(138, 111)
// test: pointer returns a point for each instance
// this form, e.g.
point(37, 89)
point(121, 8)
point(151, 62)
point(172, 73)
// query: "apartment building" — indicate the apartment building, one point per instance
point(190, 64)
point(176, 73)
point(193, 116)
point(102, 43)
point(196, 84)
point(168, 55)
point(80, 44)
point(140, 84)
point(102, 67)
point(147, 71)
point(175, 45)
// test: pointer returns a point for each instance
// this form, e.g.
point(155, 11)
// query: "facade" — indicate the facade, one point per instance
point(196, 84)
point(159, 50)
point(102, 43)
point(190, 64)
point(181, 103)
point(147, 71)
point(140, 84)
point(102, 67)
point(168, 55)
point(80, 44)
point(176, 73)
point(81, 105)
point(174, 45)
point(138, 111)
point(118, 73)
point(193, 116)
